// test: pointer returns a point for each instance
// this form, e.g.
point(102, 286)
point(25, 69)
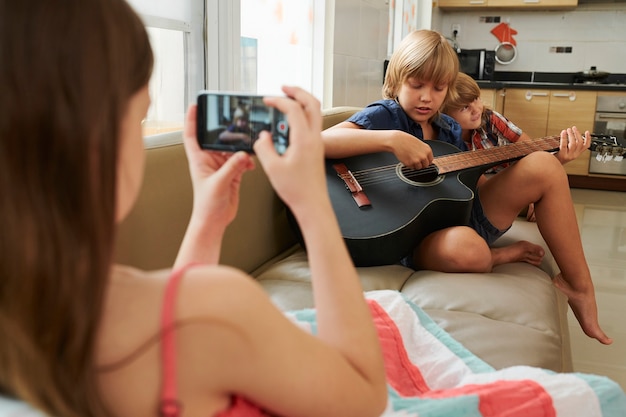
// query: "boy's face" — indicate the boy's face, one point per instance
point(421, 99)
point(469, 117)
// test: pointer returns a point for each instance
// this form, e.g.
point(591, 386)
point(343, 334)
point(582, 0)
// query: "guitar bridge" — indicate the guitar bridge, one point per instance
point(352, 185)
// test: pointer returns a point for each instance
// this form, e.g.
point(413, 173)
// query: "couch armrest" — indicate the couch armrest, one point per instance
point(334, 115)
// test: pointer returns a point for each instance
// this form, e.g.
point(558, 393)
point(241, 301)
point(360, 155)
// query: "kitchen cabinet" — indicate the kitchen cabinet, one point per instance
point(493, 98)
point(462, 4)
point(532, 4)
point(528, 109)
point(571, 108)
point(579, 166)
point(541, 112)
point(507, 4)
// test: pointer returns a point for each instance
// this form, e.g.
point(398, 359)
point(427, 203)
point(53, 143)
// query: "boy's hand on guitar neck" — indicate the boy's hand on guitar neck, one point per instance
point(411, 151)
point(572, 144)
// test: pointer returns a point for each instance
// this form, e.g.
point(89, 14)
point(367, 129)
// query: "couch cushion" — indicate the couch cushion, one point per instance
point(288, 280)
point(512, 316)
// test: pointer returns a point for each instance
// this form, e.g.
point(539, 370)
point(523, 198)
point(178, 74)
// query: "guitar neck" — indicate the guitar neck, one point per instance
point(494, 156)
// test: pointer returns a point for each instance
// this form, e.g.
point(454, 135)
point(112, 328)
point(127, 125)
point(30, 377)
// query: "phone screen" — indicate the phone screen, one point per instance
point(232, 122)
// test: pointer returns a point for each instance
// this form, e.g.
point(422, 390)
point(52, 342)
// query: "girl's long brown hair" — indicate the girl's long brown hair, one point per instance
point(68, 69)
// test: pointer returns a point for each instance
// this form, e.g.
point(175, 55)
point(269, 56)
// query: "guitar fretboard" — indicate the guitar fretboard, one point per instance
point(494, 156)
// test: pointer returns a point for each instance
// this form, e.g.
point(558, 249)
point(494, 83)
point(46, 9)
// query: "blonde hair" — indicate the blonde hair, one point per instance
point(465, 91)
point(422, 54)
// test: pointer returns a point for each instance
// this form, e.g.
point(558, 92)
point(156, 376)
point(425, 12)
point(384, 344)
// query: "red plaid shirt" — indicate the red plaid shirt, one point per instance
point(495, 130)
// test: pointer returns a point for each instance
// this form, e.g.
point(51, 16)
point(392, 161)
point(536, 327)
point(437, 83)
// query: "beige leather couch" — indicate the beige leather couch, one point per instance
point(512, 316)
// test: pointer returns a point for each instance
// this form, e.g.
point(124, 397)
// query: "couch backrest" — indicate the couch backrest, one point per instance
point(151, 235)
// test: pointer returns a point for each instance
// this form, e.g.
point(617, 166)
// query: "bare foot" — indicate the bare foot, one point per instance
point(585, 309)
point(521, 251)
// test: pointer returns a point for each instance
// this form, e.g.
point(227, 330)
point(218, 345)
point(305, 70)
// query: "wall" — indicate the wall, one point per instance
point(596, 33)
point(359, 50)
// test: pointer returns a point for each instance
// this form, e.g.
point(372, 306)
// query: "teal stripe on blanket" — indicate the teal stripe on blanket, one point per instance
point(464, 406)
point(473, 362)
point(305, 316)
point(612, 399)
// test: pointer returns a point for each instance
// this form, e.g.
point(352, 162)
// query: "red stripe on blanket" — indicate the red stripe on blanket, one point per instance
point(402, 375)
point(520, 398)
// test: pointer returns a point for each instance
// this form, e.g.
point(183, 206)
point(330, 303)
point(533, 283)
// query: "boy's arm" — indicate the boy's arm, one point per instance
point(349, 139)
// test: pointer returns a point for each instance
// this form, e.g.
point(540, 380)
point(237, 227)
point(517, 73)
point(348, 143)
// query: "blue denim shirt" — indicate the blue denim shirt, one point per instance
point(388, 115)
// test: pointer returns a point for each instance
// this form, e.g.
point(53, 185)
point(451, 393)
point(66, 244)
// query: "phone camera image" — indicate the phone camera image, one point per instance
point(232, 122)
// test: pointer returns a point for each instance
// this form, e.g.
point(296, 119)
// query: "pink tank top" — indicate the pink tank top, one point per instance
point(170, 406)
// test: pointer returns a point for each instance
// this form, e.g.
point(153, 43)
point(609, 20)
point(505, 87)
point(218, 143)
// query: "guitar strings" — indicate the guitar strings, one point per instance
point(455, 162)
point(387, 173)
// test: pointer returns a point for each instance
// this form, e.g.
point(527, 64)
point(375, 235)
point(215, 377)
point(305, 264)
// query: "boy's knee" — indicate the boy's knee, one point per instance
point(542, 167)
point(477, 259)
point(457, 249)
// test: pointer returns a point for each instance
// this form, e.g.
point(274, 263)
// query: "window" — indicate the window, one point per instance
point(175, 28)
point(261, 45)
point(167, 85)
point(276, 44)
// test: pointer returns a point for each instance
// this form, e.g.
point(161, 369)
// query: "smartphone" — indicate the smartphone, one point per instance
point(232, 122)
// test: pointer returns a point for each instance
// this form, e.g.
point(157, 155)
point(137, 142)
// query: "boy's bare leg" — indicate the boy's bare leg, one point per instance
point(584, 309)
point(461, 249)
point(540, 178)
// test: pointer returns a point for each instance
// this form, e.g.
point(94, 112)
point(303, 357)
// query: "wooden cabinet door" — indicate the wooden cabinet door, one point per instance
point(571, 108)
point(579, 166)
point(528, 109)
point(533, 4)
point(488, 97)
point(493, 99)
point(462, 4)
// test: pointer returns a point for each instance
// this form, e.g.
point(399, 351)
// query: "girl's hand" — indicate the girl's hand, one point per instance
point(298, 176)
point(215, 177)
point(572, 144)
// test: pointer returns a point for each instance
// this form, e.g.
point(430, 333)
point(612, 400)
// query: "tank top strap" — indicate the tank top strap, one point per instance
point(170, 406)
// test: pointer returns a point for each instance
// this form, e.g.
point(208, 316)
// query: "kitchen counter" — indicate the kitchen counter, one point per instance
point(550, 85)
point(552, 80)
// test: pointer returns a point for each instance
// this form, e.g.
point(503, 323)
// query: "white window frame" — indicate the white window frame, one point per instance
point(223, 29)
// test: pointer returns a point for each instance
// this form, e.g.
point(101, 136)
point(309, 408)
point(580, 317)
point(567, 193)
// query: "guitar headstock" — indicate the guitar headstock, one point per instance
point(607, 147)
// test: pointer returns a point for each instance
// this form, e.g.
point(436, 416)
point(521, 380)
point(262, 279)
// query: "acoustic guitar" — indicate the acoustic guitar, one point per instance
point(385, 209)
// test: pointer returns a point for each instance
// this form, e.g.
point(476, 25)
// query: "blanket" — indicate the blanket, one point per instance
point(430, 374)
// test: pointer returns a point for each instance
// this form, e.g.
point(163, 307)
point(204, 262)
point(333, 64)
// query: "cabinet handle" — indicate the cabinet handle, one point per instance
point(477, 2)
point(531, 1)
point(600, 116)
point(530, 94)
point(571, 95)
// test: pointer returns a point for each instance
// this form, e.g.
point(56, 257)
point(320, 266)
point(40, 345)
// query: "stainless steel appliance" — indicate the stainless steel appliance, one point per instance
point(607, 156)
point(477, 63)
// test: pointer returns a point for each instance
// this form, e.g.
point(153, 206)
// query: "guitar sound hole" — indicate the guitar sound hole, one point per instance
point(427, 177)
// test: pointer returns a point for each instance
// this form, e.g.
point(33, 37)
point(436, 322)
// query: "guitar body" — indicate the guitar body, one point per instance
point(402, 212)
